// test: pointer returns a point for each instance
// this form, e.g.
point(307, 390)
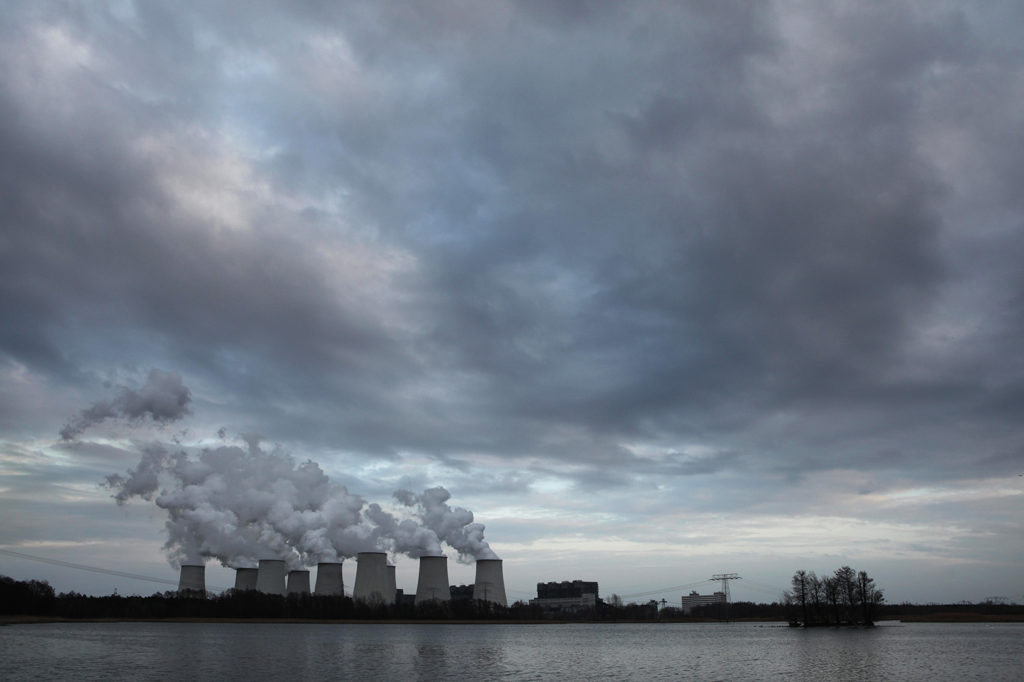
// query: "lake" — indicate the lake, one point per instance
point(625, 651)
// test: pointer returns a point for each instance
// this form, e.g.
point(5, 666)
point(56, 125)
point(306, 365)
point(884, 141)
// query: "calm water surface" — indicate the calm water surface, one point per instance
point(727, 651)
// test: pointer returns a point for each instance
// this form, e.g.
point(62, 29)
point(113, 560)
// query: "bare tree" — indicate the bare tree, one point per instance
point(816, 597)
point(832, 597)
point(845, 597)
point(846, 583)
point(870, 597)
point(800, 592)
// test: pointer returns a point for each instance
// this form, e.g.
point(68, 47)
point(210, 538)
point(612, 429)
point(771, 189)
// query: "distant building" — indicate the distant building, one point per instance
point(403, 599)
point(694, 599)
point(461, 592)
point(578, 596)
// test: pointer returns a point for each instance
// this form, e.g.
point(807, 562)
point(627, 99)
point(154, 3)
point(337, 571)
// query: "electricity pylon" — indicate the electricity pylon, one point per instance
point(724, 578)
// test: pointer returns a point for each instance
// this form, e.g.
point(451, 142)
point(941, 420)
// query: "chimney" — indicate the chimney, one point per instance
point(433, 580)
point(328, 579)
point(392, 585)
point(245, 578)
point(372, 578)
point(192, 580)
point(298, 582)
point(490, 582)
point(270, 576)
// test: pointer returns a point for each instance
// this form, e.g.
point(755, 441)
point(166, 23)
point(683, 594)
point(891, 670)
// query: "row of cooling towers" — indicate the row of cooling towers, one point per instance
point(375, 579)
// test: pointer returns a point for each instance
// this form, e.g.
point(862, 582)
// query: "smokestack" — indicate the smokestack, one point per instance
point(490, 582)
point(392, 584)
point(298, 582)
point(328, 579)
point(433, 581)
point(372, 578)
point(270, 576)
point(245, 578)
point(192, 579)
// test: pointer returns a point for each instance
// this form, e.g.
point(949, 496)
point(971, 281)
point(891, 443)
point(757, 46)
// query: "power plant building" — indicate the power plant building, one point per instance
point(192, 579)
point(578, 596)
point(693, 599)
point(490, 582)
point(433, 580)
point(245, 578)
point(328, 579)
point(461, 593)
point(392, 585)
point(372, 582)
point(270, 577)
point(298, 582)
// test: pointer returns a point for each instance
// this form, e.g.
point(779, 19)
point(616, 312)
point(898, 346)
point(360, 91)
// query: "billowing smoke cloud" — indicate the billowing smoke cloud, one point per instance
point(240, 504)
point(405, 535)
point(454, 526)
point(164, 398)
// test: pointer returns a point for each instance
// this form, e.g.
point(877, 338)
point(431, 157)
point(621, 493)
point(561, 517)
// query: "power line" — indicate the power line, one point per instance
point(91, 569)
point(663, 589)
point(724, 578)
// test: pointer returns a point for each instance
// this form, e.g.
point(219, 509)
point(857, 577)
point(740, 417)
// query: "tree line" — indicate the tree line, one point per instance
point(825, 600)
point(37, 598)
point(846, 597)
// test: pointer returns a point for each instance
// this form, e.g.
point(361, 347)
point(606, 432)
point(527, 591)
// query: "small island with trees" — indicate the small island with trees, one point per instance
point(845, 598)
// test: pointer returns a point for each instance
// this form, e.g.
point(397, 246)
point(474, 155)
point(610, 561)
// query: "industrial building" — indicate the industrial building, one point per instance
point(298, 582)
point(328, 579)
point(461, 593)
point(433, 580)
point(578, 596)
point(192, 580)
point(490, 582)
point(693, 599)
point(375, 581)
point(270, 577)
point(245, 578)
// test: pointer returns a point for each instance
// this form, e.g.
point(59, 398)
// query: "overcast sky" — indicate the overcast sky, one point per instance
point(657, 290)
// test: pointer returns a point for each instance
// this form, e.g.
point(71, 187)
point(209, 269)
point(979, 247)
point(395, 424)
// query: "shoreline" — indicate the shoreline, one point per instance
point(952, 618)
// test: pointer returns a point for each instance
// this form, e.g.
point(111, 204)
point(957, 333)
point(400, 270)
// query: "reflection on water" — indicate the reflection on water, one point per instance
point(241, 651)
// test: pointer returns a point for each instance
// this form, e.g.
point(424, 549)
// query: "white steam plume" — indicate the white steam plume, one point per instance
point(406, 536)
point(164, 398)
point(239, 505)
point(453, 526)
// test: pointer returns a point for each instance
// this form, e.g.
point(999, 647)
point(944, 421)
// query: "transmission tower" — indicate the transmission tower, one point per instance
point(724, 578)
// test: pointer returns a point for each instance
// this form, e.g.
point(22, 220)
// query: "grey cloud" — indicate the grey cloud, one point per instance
point(730, 261)
point(163, 398)
point(542, 233)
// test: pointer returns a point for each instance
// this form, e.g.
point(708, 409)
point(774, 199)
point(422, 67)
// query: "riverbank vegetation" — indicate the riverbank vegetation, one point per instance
point(25, 601)
point(846, 597)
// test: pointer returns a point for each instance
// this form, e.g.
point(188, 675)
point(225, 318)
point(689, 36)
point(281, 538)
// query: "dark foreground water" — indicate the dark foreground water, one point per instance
point(727, 651)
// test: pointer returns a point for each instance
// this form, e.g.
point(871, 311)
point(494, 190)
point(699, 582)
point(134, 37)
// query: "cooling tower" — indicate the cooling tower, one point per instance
point(490, 582)
point(193, 578)
point(245, 578)
point(298, 582)
point(392, 585)
point(270, 576)
point(433, 581)
point(328, 579)
point(372, 578)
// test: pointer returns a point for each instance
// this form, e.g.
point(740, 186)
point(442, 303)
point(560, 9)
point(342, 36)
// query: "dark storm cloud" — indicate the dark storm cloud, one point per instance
point(163, 398)
point(542, 230)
